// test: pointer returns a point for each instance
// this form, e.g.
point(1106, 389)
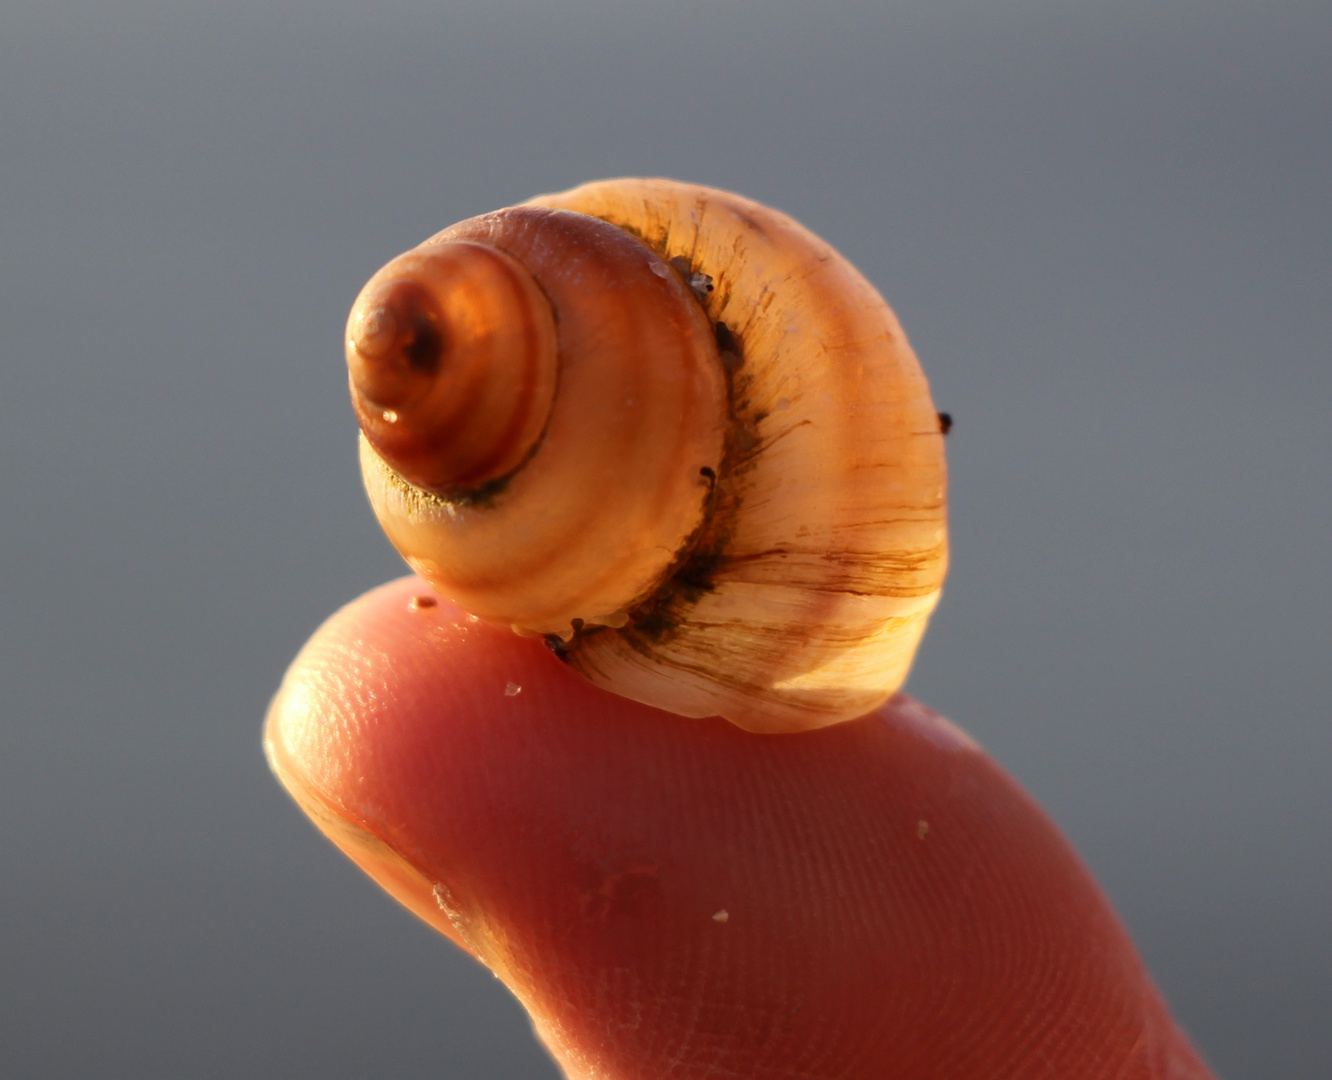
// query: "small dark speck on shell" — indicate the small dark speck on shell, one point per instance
point(420, 603)
point(728, 346)
point(701, 284)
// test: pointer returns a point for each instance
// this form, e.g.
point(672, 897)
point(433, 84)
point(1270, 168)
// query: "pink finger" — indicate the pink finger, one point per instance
point(680, 898)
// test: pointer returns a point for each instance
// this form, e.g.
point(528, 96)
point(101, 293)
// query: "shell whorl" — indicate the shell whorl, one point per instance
point(452, 356)
point(810, 546)
point(544, 548)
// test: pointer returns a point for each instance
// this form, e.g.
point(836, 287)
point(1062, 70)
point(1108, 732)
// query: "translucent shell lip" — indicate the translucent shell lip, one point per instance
point(736, 505)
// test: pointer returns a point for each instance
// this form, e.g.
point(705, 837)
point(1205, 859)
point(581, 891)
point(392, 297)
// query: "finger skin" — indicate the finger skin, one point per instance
point(680, 898)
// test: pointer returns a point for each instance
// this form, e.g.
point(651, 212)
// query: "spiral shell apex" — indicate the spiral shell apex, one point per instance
point(672, 430)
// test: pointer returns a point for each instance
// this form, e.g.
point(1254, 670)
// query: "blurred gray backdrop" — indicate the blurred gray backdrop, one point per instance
point(1108, 230)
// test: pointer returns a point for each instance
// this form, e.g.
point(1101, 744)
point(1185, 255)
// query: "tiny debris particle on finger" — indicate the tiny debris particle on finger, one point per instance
point(421, 603)
point(721, 916)
point(922, 829)
point(512, 689)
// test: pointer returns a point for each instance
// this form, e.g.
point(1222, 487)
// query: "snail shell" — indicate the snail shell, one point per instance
point(672, 430)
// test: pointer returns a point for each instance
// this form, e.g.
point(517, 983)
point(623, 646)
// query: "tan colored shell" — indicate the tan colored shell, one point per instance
point(804, 582)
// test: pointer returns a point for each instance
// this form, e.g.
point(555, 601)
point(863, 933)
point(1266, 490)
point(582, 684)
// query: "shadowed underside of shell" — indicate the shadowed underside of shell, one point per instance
point(745, 486)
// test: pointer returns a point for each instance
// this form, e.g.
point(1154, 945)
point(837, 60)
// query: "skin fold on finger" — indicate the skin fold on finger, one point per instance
point(682, 898)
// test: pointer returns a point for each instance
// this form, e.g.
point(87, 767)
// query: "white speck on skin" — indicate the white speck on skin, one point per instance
point(661, 269)
point(512, 690)
point(390, 416)
point(721, 916)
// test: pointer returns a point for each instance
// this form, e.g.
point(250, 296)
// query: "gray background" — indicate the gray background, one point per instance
point(1106, 228)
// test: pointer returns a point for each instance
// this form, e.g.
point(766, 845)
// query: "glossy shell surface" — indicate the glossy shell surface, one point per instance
point(809, 521)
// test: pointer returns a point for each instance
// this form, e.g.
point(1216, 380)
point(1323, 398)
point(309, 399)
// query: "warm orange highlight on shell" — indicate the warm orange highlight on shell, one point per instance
point(451, 352)
point(582, 845)
point(617, 484)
